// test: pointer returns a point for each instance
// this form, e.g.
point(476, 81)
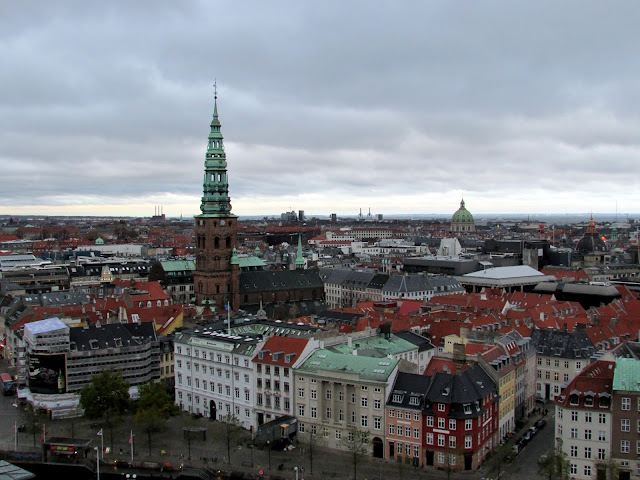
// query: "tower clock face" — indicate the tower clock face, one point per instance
point(222, 222)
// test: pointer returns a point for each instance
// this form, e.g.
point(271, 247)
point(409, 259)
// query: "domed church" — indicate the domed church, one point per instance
point(591, 250)
point(462, 220)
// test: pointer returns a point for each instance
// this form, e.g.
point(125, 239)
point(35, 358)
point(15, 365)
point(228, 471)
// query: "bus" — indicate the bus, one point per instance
point(7, 384)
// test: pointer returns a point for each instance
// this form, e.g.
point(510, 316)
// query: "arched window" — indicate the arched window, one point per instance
point(216, 242)
point(228, 241)
point(217, 288)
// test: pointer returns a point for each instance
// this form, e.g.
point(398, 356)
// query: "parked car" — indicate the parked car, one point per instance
point(533, 430)
point(528, 436)
point(540, 423)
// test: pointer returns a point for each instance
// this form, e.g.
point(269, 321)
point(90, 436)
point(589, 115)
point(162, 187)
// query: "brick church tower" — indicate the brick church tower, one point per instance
point(216, 278)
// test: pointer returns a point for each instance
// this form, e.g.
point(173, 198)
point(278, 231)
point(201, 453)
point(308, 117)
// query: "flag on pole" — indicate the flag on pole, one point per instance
point(131, 437)
point(100, 433)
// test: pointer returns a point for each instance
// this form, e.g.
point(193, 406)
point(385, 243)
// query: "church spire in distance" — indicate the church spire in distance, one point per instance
point(215, 194)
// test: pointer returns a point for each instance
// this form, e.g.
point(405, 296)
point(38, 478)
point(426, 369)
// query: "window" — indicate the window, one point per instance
point(574, 469)
point(587, 470)
point(441, 407)
point(377, 422)
point(416, 433)
point(377, 404)
point(441, 440)
point(416, 416)
point(364, 421)
point(625, 446)
point(625, 425)
point(602, 418)
point(392, 412)
point(400, 430)
point(328, 394)
point(338, 435)
point(574, 416)
point(301, 410)
point(566, 364)
point(602, 437)
point(574, 433)
point(602, 454)
point(468, 424)
point(301, 393)
point(392, 429)
point(340, 415)
point(452, 424)
point(353, 417)
point(626, 403)
point(259, 401)
point(573, 452)
point(441, 422)
point(587, 434)
point(452, 441)
point(341, 396)
point(314, 412)
point(364, 402)
point(429, 421)
point(587, 416)
point(328, 412)
point(429, 438)
point(468, 441)
point(353, 398)
point(587, 452)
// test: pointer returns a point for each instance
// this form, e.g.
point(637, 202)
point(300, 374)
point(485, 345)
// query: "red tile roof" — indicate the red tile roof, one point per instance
point(283, 345)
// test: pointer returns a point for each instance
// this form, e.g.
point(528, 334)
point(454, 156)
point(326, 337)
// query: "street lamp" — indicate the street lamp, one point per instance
point(251, 446)
point(269, 453)
point(295, 469)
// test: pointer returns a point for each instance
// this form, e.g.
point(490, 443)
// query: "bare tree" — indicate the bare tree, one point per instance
point(357, 444)
point(231, 431)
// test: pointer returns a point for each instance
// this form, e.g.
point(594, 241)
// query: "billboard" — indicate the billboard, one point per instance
point(47, 373)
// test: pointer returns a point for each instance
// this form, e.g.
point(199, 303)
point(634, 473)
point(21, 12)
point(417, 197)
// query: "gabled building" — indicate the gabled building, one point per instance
point(560, 357)
point(584, 420)
point(460, 418)
point(273, 366)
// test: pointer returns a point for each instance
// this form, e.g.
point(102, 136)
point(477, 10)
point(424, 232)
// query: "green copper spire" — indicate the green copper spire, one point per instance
point(299, 257)
point(215, 197)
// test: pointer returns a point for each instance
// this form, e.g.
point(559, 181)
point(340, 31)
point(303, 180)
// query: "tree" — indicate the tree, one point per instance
point(106, 398)
point(501, 457)
point(34, 420)
point(357, 444)
point(313, 440)
point(608, 469)
point(154, 407)
point(231, 431)
point(555, 465)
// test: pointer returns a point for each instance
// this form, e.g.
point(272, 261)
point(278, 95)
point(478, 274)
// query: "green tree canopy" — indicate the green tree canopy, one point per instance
point(108, 394)
point(554, 466)
point(153, 396)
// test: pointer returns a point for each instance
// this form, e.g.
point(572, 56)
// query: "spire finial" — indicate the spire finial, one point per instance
point(215, 88)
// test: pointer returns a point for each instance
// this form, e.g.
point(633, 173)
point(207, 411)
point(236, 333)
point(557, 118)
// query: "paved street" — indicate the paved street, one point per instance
point(170, 446)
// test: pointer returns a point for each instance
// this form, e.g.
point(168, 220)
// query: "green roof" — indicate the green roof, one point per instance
point(383, 346)
point(367, 368)
point(626, 376)
point(178, 265)
point(246, 262)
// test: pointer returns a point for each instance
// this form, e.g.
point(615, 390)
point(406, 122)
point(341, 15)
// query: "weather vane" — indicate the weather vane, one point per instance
point(215, 88)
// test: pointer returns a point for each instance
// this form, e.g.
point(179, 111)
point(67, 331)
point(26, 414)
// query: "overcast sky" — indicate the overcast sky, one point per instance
point(327, 107)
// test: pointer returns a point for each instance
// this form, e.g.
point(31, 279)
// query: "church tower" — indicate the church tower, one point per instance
point(216, 278)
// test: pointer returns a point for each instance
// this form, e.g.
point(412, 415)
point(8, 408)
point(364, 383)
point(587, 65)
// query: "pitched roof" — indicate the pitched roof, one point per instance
point(282, 351)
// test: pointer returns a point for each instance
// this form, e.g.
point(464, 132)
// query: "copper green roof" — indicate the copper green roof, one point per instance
point(215, 187)
point(246, 262)
point(377, 346)
point(462, 214)
point(626, 376)
point(367, 368)
point(178, 265)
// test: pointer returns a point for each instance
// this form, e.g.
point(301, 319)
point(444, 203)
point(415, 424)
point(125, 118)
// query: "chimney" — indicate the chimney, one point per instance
point(459, 353)
point(350, 341)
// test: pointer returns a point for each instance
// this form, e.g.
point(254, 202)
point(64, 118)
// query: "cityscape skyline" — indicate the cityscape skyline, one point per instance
point(402, 110)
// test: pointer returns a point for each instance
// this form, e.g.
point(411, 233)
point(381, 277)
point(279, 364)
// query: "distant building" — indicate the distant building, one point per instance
point(462, 220)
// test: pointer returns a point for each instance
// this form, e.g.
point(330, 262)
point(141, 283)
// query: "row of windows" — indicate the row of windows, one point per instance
point(556, 363)
point(587, 417)
point(276, 370)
